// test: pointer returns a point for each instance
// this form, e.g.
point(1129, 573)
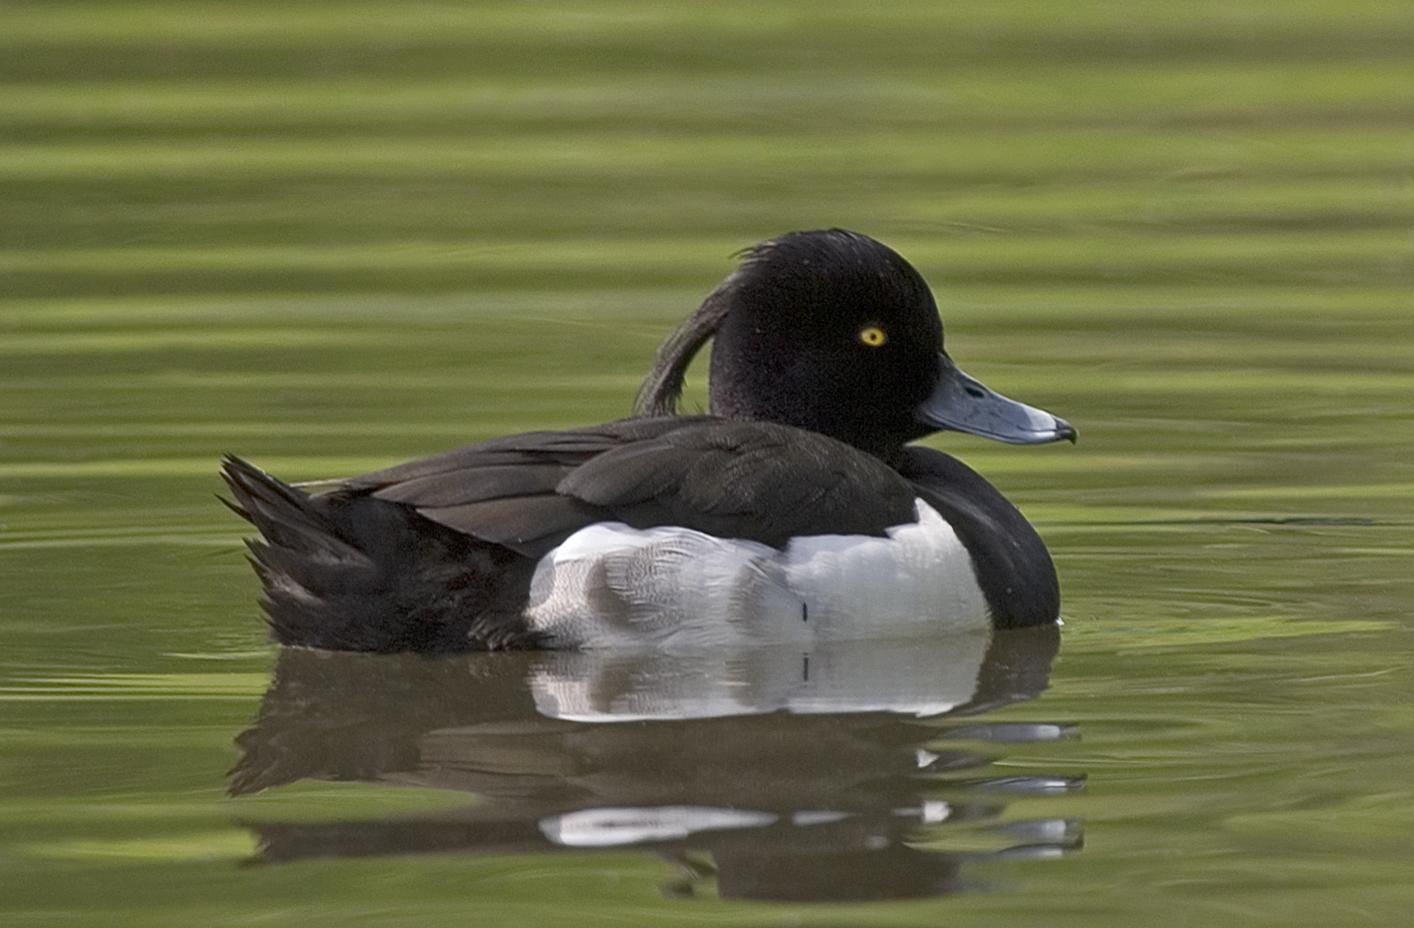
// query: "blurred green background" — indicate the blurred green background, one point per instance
point(331, 235)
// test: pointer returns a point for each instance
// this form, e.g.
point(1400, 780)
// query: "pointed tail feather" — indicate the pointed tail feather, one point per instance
point(353, 573)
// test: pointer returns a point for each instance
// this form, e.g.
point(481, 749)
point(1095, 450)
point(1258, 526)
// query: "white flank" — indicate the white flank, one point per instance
point(609, 585)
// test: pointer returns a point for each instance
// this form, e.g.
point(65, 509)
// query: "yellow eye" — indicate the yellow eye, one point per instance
point(873, 336)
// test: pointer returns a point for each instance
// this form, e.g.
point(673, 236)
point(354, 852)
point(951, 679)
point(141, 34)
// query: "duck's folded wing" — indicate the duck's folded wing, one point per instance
point(748, 480)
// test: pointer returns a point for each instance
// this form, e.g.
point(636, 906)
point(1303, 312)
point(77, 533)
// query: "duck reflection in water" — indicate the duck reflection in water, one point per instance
point(856, 771)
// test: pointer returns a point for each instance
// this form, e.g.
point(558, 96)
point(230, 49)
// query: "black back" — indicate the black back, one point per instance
point(756, 481)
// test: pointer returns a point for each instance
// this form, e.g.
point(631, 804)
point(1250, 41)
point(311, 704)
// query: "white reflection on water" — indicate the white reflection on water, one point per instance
point(832, 773)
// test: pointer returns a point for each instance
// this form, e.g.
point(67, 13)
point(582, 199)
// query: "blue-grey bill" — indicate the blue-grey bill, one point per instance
point(962, 404)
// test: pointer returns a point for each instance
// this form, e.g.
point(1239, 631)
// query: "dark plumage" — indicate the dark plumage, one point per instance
point(826, 362)
point(348, 572)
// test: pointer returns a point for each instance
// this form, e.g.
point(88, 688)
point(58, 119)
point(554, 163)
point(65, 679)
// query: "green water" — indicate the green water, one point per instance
point(330, 236)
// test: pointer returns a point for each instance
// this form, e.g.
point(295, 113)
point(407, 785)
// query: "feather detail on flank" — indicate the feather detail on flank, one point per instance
point(609, 585)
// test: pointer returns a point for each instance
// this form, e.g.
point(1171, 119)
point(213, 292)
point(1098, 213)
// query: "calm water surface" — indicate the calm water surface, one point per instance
point(333, 236)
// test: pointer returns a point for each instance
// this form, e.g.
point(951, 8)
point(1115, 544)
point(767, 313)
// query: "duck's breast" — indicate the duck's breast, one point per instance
point(610, 585)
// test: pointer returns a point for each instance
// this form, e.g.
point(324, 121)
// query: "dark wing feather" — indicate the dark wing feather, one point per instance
point(529, 448)
point(750, 480)
point(495, 481)
point(529, 525)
